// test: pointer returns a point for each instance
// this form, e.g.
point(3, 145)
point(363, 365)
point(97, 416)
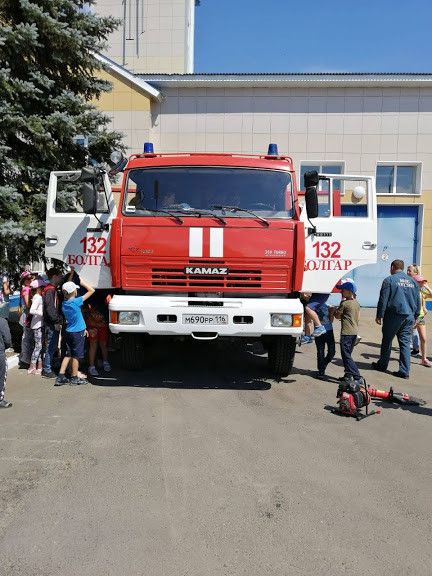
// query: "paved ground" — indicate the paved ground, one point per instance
point(201, 466)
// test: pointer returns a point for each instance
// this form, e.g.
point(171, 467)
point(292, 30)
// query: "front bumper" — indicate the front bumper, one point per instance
point(257, 310)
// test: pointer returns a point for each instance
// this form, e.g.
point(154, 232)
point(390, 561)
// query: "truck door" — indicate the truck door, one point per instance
point(336, 244)
point(78, 239)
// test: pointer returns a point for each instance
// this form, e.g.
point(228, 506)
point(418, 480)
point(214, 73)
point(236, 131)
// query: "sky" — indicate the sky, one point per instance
point(313, 36)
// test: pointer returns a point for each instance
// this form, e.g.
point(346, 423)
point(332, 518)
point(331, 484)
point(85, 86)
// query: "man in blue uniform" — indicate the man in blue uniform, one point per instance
point(397, 310)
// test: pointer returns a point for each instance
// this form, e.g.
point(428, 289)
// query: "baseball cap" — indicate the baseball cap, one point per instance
point(349, 286)
point(70, 287)
point(25, 274)
point(339, 284)
point(419, 278)
point(37, 283)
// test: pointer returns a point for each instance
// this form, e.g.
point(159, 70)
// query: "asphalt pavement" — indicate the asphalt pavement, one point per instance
point(201, 465)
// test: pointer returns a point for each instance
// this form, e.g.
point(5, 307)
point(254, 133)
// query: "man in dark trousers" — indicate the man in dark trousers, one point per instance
point(397, 310)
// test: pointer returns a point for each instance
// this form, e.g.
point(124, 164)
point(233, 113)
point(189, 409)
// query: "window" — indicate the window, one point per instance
point(189, 190)
point(323, 187)
point(322, 168)
point(69, 198)
point(397, 178)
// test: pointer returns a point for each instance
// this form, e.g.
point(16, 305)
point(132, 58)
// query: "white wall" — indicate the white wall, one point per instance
point(165, 35)
point(357, 126)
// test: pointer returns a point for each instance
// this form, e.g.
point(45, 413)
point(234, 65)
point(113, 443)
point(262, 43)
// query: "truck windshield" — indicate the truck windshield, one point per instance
point(268, 193)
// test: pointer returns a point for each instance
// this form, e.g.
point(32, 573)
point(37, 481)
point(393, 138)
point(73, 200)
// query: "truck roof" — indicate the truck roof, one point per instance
point(210, 159)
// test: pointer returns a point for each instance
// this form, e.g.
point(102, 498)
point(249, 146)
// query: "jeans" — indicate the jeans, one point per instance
point(324, 360)
point(37, 350)
point(3, 373)
point(415, 341)
point(27, 345)
point(347, 345)
point(401, 327)
point(51, 344)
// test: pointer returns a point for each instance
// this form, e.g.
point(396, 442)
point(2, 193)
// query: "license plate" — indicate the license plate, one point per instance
point(205, 319)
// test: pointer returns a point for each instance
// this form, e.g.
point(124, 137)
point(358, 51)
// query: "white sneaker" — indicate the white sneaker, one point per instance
point(107, 366)
point(92, 371)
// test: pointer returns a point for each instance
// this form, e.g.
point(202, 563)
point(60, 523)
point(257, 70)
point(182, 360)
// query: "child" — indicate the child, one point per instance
point(36, 313)
point(325, 315)
point(5, 343)
point(52, 320)
point(414, 270)
point(313, 326)
point(75, 332)
point(348, 313)
point(27, 337)
point(98, 333)
point(425, 292)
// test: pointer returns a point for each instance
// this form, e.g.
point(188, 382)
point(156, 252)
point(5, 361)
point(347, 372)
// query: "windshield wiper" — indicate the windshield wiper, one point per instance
point(167, 212)
point(224, 208)
point(186, 209)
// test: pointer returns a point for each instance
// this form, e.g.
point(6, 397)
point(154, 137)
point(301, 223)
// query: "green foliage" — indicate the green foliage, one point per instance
point(49, 78)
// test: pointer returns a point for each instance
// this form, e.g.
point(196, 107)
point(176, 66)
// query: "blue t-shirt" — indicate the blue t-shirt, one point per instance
point(72, 313)
point(322, 311)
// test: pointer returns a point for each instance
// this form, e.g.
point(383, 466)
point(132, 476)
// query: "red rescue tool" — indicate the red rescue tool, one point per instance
point(353, 396)
point(396, 397)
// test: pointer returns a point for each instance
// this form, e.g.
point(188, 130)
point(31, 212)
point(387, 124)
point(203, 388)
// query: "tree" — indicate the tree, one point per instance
point(49, 78)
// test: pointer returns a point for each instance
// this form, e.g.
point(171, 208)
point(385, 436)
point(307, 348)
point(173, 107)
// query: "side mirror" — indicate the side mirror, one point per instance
point(88, 189)
point(311, 180)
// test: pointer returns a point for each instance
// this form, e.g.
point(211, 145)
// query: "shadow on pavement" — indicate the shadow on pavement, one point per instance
point(195, 365)
point(422, 410)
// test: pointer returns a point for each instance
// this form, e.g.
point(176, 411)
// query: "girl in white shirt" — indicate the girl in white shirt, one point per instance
point(36, 312)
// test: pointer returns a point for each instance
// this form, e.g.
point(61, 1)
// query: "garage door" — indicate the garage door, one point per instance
point(397, 239)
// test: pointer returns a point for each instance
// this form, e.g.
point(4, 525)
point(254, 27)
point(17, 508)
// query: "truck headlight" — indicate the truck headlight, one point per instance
point(128, 317)
point(281, 320)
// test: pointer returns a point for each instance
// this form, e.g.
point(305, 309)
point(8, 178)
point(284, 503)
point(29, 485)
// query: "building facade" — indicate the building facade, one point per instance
point(154, 35)
point(369, 124)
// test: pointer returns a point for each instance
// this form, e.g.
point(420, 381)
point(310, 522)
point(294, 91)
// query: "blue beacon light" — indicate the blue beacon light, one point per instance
point(148, 148)
point(273, 150)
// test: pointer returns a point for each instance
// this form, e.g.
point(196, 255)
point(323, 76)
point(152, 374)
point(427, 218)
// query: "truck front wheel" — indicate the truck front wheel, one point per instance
point(132, 351)
point(281, 350)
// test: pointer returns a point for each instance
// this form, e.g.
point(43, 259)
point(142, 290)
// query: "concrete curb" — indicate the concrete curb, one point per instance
point(12, 361)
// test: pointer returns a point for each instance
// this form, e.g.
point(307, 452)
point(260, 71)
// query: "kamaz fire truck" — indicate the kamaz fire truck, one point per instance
point(209, 246)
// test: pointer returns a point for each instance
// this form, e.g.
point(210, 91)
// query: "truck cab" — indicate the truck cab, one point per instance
point(209, 246)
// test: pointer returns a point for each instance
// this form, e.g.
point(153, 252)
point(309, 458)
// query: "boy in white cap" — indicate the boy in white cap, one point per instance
point(75, 331)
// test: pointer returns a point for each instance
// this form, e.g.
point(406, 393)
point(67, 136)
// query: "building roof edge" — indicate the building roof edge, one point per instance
point(137, 80)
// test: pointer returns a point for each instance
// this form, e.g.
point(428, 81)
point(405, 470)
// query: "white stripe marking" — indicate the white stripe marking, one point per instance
point(196, 242)
point(216, 242)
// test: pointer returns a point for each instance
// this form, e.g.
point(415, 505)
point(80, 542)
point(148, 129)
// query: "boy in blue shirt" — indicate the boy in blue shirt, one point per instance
point(317, 303)
point(75, 331)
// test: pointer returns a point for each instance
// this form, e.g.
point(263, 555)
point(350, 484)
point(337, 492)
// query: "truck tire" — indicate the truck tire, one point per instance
point(281, 355)
point(132, 351)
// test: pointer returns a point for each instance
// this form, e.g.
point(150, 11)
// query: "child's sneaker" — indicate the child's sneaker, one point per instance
point(61, 380)
point(426, 363)
point(5, 404)
point(106, 366)
point(76, 381)
point(319, 331)
point(93, 371)
point(306, 340)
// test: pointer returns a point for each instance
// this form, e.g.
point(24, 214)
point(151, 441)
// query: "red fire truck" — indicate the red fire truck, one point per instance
point(210, 245)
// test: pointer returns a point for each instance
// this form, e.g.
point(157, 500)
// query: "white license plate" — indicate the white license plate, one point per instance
point(205, 319)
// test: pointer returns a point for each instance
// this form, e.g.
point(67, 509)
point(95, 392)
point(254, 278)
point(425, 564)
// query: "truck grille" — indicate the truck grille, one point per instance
point(165, 276)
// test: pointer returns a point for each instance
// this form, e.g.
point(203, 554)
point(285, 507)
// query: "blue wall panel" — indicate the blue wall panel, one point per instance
point(397, 239)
